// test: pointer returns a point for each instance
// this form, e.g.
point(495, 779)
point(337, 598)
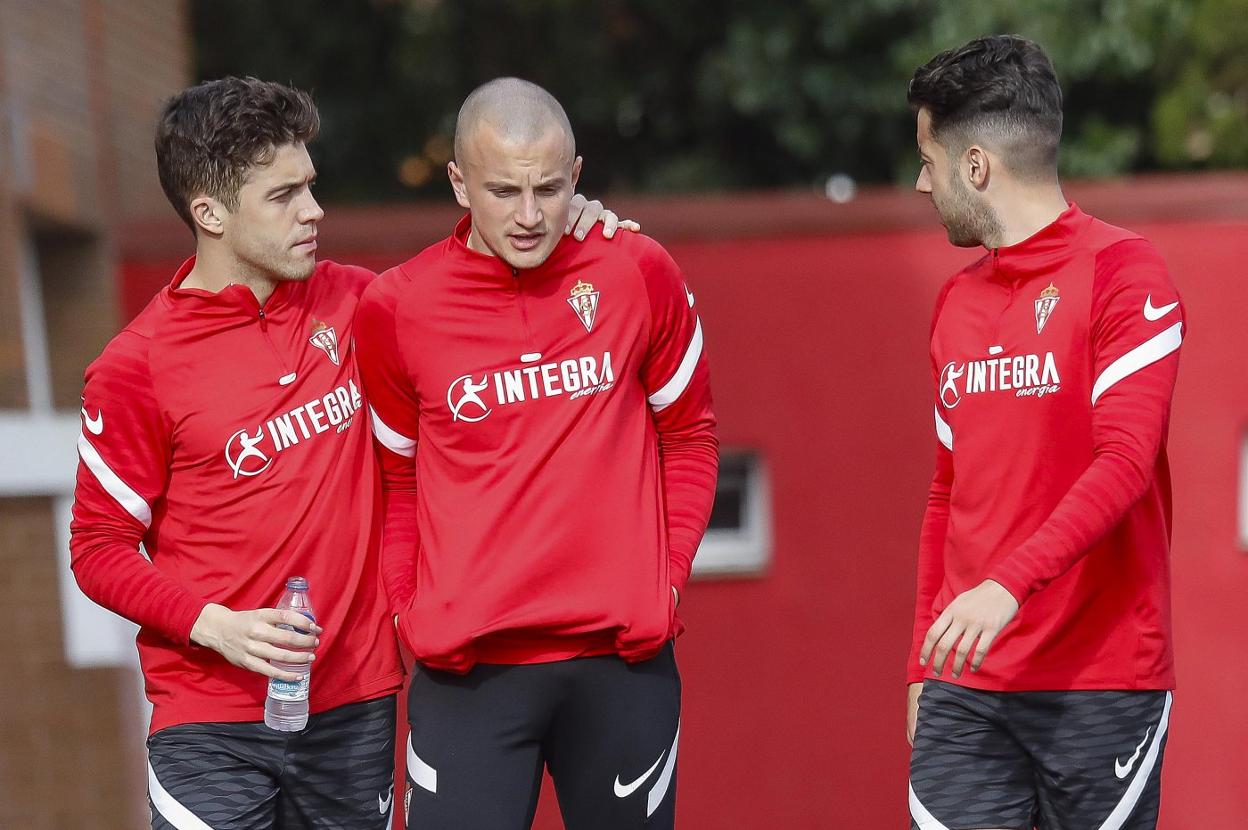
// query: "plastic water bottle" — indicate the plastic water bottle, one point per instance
point(286, 707)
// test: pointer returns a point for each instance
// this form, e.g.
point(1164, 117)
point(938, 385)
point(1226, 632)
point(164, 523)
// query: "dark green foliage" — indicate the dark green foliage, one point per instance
point(678, 95)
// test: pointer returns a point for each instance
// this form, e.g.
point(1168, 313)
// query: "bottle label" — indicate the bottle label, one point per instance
point(289, 691)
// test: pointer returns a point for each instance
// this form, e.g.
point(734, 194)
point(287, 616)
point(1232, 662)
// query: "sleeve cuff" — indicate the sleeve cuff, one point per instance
point(679, 578)
point(915, 672)
point(400, 601)
point(183, 621)
point(1018, 588)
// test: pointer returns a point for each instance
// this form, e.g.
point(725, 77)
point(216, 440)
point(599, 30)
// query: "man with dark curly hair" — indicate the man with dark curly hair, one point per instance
point(223, 432)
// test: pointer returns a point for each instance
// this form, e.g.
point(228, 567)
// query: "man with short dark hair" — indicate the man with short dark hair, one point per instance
point(544, 421)
point(1044, 573)
point(222, 431)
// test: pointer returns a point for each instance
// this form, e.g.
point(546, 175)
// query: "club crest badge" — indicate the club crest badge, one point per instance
point(1045, 305)
point(326, 339)
point(584, 302)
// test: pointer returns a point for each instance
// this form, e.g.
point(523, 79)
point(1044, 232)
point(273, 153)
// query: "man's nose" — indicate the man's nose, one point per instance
point(923, 183)
point(529, 214)
point(312, 211)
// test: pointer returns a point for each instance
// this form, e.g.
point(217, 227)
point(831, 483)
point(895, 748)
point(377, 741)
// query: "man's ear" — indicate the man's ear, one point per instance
point(978, 167)
point(457, 184)
point(576, 172)
point(208, 215)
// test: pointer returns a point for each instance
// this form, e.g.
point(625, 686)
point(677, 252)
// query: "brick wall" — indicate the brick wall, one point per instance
point(80, 83)
point(69, 753)
point(158, 31)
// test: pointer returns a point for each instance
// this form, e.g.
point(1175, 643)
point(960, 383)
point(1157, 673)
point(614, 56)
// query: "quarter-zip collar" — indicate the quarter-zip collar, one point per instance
point(233, 300)
point(495, 267)
point(1043, 251)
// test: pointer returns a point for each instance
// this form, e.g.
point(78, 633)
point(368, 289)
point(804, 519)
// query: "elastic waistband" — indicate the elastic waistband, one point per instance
point(513, 648)
point(510, 647)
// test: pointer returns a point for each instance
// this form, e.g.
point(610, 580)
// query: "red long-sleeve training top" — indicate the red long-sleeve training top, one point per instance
point(1054, 363)
point(228, 440)
point(547, 445)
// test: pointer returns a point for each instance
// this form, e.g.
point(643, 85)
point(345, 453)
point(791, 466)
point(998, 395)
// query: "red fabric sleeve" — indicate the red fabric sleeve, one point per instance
point(123, 468)
point(394, 413)
point(677, 383)
point(1135, 359)
point(931, 565)
point(931, 558)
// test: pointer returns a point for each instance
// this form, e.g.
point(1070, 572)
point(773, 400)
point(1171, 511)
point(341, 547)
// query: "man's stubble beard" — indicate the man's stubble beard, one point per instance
point(282, 268)
point(968, 218)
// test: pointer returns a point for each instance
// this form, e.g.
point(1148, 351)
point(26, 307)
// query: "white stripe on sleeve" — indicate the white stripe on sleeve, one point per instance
point(943, 431)
point(396, 442)
point(1148, 352)
point(132, 502)
point(674, 388)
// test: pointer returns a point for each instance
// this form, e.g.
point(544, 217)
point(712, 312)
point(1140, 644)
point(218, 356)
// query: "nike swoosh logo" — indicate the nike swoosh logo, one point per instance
point(1123, 770)
point(286, 380)
point(689, 295)
point(95, 427)
point(625, 790)
point(383, 804)
point(1152, 314)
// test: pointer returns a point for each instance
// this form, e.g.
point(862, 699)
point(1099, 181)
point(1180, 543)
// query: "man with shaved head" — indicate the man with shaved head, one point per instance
point(543, 417)
point(189, 525)
point(519, 110)
point(512, 129)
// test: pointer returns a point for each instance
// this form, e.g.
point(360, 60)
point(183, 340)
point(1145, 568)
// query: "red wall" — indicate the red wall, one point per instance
point(794, 687)
point(794, 682)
